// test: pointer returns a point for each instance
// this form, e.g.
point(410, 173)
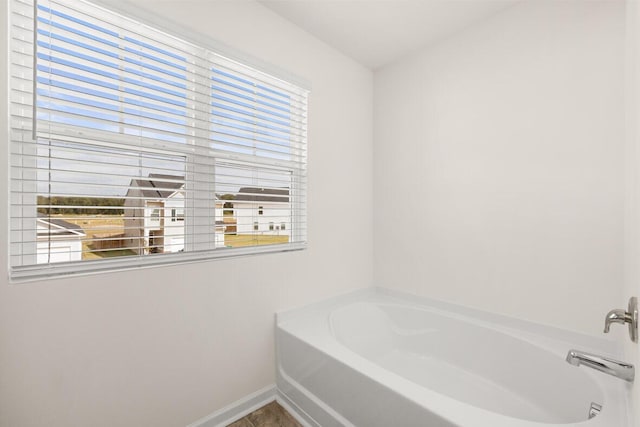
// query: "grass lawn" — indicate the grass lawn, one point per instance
point(240, 240)
point(101, 225)
point(111, 253)
point(113, 225)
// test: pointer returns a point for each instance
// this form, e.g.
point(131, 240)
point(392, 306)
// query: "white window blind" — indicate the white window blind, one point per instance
point(133, 147)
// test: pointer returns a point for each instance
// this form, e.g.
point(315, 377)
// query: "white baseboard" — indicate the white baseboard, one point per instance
point(238, 409)
point(293, 409)
point(243, 407)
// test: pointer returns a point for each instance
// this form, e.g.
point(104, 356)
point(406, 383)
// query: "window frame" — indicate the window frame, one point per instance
point(298, 186)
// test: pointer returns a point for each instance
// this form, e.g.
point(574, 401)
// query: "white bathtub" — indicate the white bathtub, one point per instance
point(379, 358)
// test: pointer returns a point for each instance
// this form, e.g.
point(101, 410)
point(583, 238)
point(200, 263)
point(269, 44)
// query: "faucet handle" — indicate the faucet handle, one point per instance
point(620, 316)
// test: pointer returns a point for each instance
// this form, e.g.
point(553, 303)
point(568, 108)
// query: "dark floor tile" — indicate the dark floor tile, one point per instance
point(242, 422)
point(272, 415)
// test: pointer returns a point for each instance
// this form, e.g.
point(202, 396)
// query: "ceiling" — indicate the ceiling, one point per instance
point(377, 32)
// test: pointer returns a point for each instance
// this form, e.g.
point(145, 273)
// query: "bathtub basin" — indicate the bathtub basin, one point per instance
point(379, 358)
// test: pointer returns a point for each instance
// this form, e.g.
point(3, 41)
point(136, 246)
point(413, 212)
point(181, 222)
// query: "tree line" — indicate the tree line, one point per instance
point(59, 205)
point(80, 205)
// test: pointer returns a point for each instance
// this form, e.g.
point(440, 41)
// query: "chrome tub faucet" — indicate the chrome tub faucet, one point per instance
point(616, 316)
point(609, 366)
point(620, 316)
point(618, 369)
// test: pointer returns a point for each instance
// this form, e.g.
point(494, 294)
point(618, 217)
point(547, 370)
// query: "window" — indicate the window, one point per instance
point(130, 126)
point(177, 215)
point(155, 215)
point(271, 225)
point(256, 226)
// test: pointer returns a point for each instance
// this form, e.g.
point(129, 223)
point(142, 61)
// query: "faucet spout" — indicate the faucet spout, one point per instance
point(609, 366)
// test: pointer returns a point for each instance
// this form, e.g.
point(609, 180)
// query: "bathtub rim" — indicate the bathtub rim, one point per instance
point(501, 322)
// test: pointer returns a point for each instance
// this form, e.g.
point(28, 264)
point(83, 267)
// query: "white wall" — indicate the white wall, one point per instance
point(498, 160)
point(632, 187)
point(165, 347)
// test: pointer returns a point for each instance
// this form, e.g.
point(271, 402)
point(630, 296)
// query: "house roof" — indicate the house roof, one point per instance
point(158, 185)
point(60, 226)
point(257, 194)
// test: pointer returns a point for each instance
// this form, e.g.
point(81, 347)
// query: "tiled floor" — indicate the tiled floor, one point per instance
point(271, 415)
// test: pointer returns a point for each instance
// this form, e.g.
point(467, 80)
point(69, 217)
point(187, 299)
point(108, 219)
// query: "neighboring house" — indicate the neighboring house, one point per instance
point(58, 240)
point(263, 210)
point(155, 215)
